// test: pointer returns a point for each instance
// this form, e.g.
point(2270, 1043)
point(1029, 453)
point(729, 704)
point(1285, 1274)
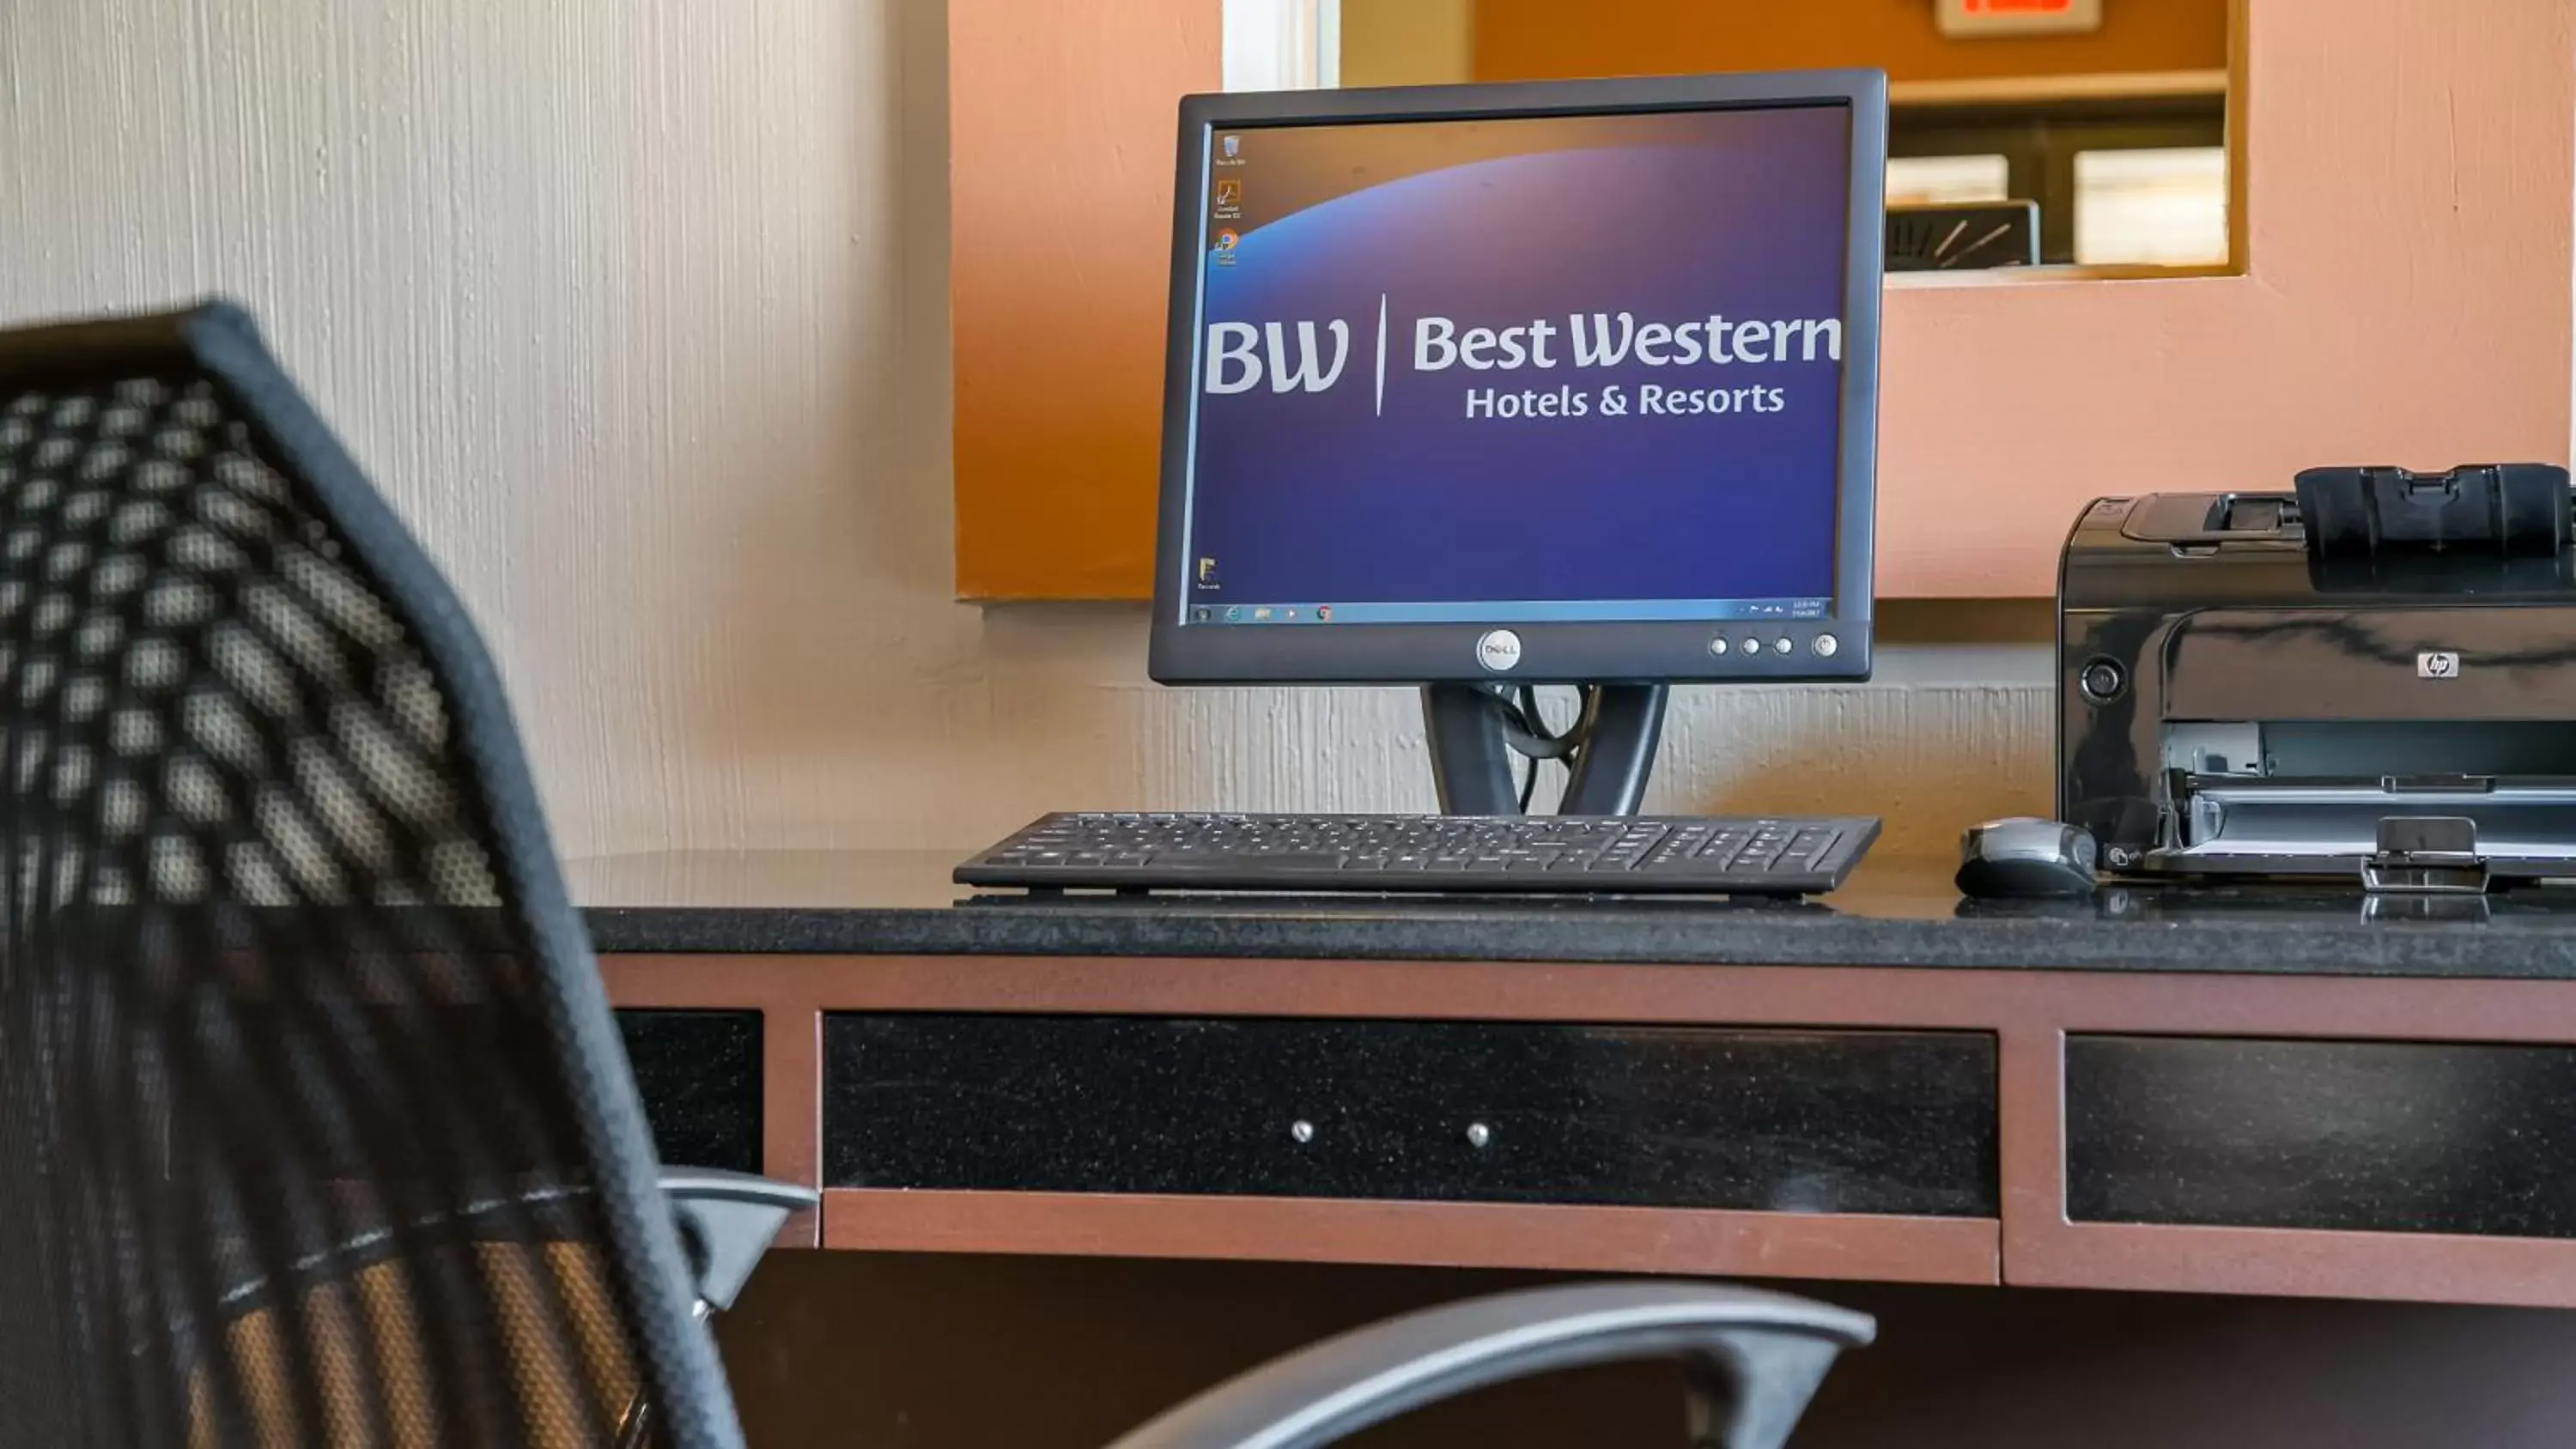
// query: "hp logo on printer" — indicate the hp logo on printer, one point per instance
point(2437, 664)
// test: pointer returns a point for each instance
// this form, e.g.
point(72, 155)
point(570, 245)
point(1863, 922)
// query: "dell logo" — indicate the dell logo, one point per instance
point(1499, 651)
point(1235, 356)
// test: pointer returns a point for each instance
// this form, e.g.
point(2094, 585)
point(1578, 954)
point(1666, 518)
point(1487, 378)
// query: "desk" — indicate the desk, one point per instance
point(2232, 1092)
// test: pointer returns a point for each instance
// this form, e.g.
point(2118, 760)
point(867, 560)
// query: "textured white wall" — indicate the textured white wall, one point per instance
point(637, 310)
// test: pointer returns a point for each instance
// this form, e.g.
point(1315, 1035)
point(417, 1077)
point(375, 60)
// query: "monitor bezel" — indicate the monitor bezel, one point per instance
point(1549, 652)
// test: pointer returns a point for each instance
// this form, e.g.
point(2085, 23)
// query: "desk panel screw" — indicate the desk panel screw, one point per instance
point(1478, 1134)
point(1303, 1131)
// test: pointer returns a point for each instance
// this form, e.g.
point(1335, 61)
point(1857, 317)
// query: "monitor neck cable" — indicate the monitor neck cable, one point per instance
point(1526, 730)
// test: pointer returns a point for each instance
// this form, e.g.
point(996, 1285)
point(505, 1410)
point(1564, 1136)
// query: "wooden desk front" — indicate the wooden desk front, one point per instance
point(2278, 1134)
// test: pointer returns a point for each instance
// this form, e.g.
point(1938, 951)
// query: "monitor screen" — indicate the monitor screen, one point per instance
point(1554, 368)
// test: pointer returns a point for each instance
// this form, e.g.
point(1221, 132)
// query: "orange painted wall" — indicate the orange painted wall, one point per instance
point(2407, 300)
point(1061, 125)
point(1549, 39)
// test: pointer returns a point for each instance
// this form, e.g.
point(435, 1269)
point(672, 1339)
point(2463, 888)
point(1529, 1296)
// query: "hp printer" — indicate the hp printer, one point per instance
point(2373, 675)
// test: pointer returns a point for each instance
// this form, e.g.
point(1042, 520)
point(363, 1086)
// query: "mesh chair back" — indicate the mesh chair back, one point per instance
point(314, 1127)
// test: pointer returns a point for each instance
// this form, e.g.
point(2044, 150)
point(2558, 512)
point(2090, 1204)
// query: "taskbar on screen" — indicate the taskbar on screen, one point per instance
point(1514, 611)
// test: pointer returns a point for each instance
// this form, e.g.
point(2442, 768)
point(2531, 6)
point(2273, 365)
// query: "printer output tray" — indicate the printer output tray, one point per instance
point(2525, 827)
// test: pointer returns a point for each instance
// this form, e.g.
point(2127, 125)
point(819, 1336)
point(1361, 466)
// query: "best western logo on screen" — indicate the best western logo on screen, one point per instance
point(1312, 357)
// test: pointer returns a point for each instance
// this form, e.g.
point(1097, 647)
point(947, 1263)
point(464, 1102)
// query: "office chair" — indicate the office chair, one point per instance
point(315, 1128)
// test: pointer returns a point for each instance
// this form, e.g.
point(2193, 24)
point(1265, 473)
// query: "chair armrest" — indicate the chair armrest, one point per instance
point(727, 1220)
point(1754, 1360)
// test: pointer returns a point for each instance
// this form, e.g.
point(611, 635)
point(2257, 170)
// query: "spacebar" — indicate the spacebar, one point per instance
point(1247, 864)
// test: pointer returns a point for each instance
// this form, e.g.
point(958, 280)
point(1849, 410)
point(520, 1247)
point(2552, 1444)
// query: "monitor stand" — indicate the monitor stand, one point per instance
point(1471, 756)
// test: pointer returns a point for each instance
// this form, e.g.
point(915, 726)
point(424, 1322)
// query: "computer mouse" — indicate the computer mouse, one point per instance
point(2026, 859)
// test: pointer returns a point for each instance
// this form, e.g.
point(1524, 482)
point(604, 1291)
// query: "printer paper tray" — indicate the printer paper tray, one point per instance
point(2329, 827)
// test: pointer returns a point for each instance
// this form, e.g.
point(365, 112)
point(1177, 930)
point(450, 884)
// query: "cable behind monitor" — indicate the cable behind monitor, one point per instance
point(1474, 733)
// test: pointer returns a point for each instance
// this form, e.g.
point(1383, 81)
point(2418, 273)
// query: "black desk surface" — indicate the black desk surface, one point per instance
point(1896, 912)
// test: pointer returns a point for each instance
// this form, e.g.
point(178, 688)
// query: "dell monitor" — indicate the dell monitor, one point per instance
point(1478, 386)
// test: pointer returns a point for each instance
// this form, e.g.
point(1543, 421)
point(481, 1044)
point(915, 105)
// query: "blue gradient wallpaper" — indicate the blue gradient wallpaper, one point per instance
point(1571, 358)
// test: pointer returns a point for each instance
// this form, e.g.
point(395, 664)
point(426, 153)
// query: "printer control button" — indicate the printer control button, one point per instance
point(2102, 680)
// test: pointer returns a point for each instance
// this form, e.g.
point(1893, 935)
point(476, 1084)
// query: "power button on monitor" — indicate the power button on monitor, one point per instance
point(1499, 651)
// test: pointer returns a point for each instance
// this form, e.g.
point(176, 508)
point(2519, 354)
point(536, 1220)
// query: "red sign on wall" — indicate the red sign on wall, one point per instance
point(1973, 19)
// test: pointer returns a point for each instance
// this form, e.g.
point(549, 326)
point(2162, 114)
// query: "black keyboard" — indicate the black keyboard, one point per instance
point(1662, 854)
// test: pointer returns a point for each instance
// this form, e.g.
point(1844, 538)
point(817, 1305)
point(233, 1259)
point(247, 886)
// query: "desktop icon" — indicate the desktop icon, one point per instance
point(1229, 198)
point(1225, 240)
point(1207, 573)
point(1233, 147)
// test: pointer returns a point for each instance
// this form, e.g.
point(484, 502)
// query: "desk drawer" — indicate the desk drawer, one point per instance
point(1782, 1120)
point(699, 1075)
point(2389, 1136)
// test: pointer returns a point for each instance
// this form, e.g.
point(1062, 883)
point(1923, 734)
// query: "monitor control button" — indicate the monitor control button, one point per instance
point(1717, 646)
point(1499, 651)
point(1826, 646)
point(1752, 645)
point(1782, 645)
